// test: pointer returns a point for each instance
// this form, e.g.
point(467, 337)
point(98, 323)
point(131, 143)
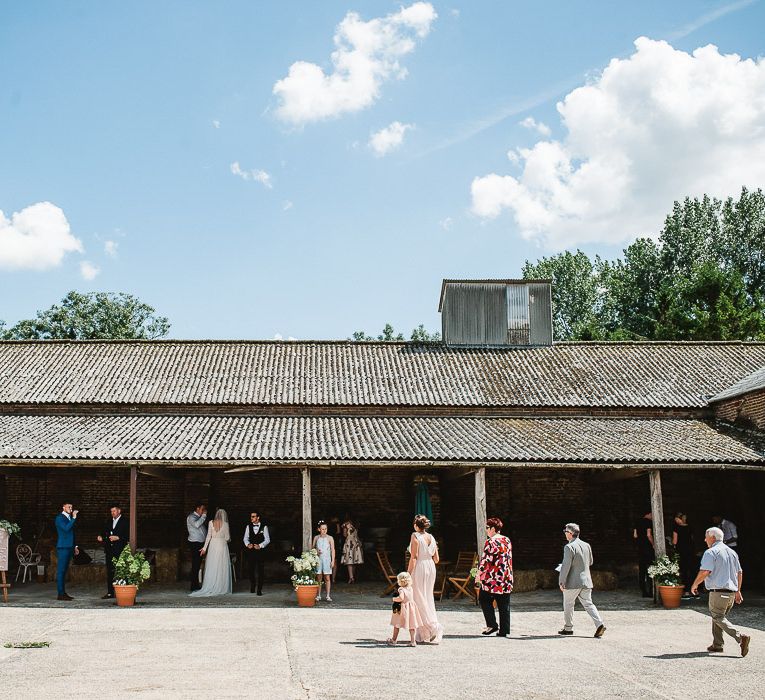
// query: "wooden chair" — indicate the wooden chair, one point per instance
point(460, 579)
point(383, 559)
point(440, 586)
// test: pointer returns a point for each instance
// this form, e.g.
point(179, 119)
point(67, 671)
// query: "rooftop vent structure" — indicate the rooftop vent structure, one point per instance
point(496, 312)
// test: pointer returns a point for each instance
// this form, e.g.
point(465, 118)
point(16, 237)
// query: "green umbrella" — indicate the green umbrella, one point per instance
point(422, 502)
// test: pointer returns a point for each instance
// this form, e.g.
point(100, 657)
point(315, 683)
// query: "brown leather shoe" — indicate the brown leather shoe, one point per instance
point(64, 596)
point(712, 649)
point(600, 631)
point(745, 639)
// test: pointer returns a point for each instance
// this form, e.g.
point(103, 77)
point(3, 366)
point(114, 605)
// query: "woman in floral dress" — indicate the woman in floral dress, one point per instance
point(353, 552)
point(495, 575)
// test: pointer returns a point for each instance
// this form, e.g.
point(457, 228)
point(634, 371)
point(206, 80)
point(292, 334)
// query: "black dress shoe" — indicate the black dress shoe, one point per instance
point(252, 589)
point(566, 633)
point(64, 596)
point(108, 595)
point(489, 630)
point(260, 592)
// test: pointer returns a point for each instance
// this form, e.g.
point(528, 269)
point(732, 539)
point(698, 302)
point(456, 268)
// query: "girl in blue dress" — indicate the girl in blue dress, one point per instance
point(325, 547)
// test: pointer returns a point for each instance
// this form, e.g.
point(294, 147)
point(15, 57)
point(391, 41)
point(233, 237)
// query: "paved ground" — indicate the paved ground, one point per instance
point(169, 646)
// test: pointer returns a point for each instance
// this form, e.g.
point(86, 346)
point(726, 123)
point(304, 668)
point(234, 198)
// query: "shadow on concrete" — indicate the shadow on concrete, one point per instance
point(689, 655)
point(530, 637)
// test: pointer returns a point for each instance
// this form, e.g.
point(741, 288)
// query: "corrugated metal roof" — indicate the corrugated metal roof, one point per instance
point(305, 439)
point(754, 382)
point(335, 373)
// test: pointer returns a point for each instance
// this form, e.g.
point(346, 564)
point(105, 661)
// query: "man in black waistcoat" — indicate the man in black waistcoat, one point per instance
point(115, 537)
point(256, 539)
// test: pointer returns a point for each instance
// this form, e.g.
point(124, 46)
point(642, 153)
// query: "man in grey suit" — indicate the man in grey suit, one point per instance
point(575, 581)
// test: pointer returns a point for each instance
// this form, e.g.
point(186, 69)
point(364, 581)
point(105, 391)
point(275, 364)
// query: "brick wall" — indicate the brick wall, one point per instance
point(748, 410)
point(534, 503)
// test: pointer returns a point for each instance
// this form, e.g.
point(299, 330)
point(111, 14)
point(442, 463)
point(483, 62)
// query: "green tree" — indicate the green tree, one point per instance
point(93, 316)
point(576, 293)
point(419, 335)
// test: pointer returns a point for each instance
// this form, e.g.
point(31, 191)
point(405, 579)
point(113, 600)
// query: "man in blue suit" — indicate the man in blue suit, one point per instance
point(65, 547)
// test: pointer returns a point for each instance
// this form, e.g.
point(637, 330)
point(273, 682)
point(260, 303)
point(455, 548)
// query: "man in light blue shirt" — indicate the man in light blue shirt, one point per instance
point(722, 576)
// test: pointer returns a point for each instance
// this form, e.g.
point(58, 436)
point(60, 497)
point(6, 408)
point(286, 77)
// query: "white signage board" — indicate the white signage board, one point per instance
point(4, 538)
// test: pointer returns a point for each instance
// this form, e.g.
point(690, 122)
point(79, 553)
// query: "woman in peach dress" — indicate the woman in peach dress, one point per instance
point(422, 567)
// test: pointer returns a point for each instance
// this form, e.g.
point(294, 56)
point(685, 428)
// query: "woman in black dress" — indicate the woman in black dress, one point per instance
point(682, 541)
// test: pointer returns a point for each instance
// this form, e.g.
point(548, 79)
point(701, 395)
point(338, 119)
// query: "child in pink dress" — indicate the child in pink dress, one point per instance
point(407, 616)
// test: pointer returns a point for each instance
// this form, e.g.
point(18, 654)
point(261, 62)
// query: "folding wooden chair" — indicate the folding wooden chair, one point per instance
point(388, 572)
point(460, 579)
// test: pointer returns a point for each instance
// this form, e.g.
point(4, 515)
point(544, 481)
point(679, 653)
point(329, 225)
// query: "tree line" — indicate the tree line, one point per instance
point(703, 278)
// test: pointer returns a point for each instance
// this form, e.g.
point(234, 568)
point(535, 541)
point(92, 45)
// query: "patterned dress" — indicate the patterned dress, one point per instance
point(496, 567)
point(353, 553)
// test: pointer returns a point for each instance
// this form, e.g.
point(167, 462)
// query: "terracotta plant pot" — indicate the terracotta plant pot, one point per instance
point(306, 595)
point(670, 595)
point(125, 595)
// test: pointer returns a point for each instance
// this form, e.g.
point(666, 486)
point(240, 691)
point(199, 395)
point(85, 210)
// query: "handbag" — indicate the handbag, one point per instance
point(396, 608)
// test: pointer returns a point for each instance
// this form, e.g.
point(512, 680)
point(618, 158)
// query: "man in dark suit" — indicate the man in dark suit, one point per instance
point(256, 539)
point(115, 536)
point(65, 547)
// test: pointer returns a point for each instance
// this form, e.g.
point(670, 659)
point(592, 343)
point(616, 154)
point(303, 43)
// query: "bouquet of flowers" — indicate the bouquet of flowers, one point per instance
point(665, 571)
point(131, 569)
point(10, 528)
point(304, 568)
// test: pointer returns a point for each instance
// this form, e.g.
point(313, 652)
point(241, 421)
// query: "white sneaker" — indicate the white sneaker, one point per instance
point(328, 599)
point(318, 598)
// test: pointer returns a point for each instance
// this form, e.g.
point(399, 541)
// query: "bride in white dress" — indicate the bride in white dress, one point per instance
point(217, 575)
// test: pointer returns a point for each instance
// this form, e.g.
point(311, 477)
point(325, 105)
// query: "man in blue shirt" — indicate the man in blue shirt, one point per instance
point(65, 547)
point(722, 576)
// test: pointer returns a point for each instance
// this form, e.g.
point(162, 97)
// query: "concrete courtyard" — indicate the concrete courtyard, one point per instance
point(169, 647)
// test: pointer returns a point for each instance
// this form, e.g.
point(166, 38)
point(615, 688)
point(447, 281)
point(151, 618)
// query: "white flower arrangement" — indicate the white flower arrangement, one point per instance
point(304, 568)
point(665, 571)
point(10, 528)
point(131, 569)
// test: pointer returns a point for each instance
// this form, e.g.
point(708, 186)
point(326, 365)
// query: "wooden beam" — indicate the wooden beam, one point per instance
point(161, 473)
point(307, 529)
point(133, 507)
point(458, 473)
point(657, 510)
point(480, 508)
point(618, 475)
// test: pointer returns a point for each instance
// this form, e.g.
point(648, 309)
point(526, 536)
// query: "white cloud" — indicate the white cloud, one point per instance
point(657, 126)
point(531, 123)
point(260, 176)
point(216, 123)
point(88, 270)
point(36, 238)
point(366, 55)
point(447, 223)
point(454, 12)
point(287, 205)
point(279, 336)
point(110, 248)
point(389, 138)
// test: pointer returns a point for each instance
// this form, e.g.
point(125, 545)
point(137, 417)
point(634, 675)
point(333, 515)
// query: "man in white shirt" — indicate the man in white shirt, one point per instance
point(115, 536)
point(196, 524)
point(730, 531)
point(256, 539)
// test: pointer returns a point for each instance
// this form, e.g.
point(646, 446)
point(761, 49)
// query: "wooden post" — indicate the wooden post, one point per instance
point(133, 507)
point(480, 508)
point(657, 510)
point(307, 529)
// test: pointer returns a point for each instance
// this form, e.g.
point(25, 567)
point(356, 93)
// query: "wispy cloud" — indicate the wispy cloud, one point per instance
point(216, 123)
point(287, 205)
point(110, 248)
point(260, 176)
point(708, 18)
point(88, 270)
point(389, 138)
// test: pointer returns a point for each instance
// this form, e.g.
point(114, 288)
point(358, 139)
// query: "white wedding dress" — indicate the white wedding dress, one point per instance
point(217, 572)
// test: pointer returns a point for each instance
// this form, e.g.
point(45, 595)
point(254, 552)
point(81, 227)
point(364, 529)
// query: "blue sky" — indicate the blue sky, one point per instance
point(180, 175)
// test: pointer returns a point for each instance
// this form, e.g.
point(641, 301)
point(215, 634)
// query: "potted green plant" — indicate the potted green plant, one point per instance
point(130, 571)
point(665, 572)
point(304, 577)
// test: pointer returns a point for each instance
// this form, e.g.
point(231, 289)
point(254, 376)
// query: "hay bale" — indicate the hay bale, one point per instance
point(604, 580)
point(525, 581)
